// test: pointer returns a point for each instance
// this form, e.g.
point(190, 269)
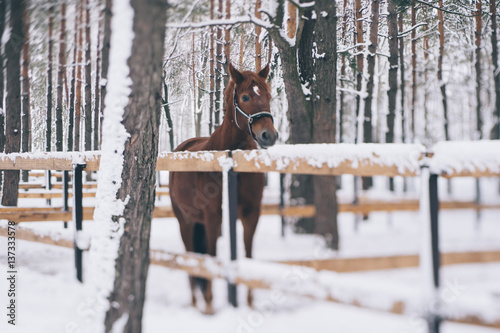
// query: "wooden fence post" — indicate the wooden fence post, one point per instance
point(78, 216)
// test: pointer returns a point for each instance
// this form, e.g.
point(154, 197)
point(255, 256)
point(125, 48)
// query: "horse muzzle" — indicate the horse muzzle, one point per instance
point(266, 137)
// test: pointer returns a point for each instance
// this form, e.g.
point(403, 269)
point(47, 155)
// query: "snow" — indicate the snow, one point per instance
point(457, 156)
point(405, 157)
point(106, 232)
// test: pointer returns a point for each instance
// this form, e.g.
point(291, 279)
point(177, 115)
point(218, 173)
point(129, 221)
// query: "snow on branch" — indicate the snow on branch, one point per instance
point(222, 22)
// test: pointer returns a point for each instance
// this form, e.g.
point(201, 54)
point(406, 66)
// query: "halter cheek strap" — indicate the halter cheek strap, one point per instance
point(250, 117)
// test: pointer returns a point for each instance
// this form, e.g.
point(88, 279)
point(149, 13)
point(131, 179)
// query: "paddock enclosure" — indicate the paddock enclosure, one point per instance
point(323, 277)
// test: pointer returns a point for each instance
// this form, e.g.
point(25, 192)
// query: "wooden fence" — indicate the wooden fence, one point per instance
point(362, 160)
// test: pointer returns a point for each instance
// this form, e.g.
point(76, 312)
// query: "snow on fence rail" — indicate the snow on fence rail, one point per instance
point(322, 159)
point(309, 282)
point(448, 159)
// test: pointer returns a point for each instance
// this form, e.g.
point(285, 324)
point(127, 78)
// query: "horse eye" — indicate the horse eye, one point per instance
point(245, 98)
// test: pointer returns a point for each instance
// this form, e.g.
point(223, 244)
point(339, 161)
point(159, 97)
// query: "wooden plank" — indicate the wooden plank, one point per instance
point(209, 267)
point(189, 161)
point(47, 161)
point(469, 173)
point(262, 162)
point(51, 195)
point(31, 236)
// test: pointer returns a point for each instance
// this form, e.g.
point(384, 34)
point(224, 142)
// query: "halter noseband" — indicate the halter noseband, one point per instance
point(251, 117)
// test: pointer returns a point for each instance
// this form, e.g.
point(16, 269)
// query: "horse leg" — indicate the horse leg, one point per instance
point(212, 235)
point(249, 225)
point(187, 230)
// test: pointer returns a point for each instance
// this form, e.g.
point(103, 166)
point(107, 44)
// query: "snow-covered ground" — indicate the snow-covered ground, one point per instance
point(51, 300)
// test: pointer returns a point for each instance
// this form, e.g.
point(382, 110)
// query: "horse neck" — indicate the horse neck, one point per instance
point(228, 136)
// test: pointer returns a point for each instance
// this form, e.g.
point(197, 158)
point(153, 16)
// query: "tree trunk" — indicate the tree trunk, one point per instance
point(97, 92)
point(2, 109)
point(88, 82)
point(166, 107)
point(72, 89)
point(13, 98)
point(370, 59)
point(227, 47)
point(441, 83)
point(141, 120)
point(414, 69)
point(425, 49)
point(105, 58)
point(197, 124)
point(78, 86)
point(402, 78)
point(218, 69)
point(212, 72)
point(392, 23)
point(358, 35)
point(479, 121)
point(324, 102)
point(496, 75)
point(26, 112)
point(60, 79)
point(48, 140)
point(258, 45)
point(342, 76)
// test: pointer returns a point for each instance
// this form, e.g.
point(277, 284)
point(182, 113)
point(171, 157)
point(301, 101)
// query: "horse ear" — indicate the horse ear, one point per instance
point(235, 74)
point(264, 72)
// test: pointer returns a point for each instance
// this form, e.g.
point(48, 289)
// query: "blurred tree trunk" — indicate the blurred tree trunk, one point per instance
point(392, 25)
point(72, 88)
point(197, 123)
point(26, 112)
point(218, 69)
point(496, 75)
point(442, 85)
point(358, 40)
point(13, 48)
point(324, 102)
point(48, 138)
point(78, 86)
point(425, 49)
point(97, 92)
point(166, 108)
point(370, 59)
point(402, 77)
point(141, 120)
point(478, 33)
point(212, 72)
point(2, 109)
point(258, 45)
point(105, 57)
point(414, 69)
point(60, 80)
point(227, 48)
point(343, 77)
point(88, 83)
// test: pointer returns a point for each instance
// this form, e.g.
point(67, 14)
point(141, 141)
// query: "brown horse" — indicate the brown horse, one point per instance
point(197, 196)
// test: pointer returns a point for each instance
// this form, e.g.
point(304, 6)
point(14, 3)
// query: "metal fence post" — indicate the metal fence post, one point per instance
point(434, 319)
point(282, 203)
point(233, 216)
point(65, 194)
point(78, 215)
point(429, 253)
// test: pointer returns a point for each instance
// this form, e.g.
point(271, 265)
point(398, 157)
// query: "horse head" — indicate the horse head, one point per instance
point(251, 105)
